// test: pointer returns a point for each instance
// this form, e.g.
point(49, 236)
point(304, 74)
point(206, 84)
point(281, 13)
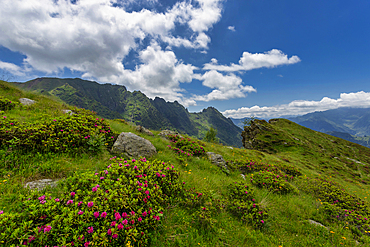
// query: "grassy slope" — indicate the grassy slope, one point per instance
point(288, 225)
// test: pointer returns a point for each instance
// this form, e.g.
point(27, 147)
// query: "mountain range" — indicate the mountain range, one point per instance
point(116, 102)
point(352, 124)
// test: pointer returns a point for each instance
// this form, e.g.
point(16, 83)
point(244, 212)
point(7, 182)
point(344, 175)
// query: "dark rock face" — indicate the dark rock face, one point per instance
point(133, 146)
point(250, 132)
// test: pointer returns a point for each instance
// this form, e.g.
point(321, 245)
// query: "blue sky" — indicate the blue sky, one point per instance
point(246, 58)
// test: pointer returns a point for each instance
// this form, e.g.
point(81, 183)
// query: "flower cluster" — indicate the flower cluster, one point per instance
point(127, 205)
point(6, 104)
point(272, 182)
point(186, 146)
point(81, 131)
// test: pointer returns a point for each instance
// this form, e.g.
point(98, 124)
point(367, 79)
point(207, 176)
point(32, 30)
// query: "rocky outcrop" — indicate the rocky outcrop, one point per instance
point(250, 133)
point(133, 146)
point(41, 184)
point(165, 133)
point(217, 159)
point(141, 129)
point(25, 101)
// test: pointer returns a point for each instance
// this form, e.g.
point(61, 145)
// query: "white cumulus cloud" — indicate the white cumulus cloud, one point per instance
point(301, 107)
point(231, 28)
point(224, 86)
point(250, 61)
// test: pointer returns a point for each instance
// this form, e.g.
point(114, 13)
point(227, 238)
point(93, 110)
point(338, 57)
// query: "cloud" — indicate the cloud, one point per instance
point(301, 107)
point(250, 61)
point(231, 28)
point(96, 36)
point(12, 68)
point(225, 87)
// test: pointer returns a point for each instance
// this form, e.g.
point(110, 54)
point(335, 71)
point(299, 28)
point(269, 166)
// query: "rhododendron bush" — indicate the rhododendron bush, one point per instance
point(125, 202)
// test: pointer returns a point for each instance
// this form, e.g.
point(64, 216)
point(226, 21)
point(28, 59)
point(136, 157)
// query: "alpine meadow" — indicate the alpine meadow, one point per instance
point(290, 186)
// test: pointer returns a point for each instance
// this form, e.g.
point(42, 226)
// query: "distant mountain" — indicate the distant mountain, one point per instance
point(114, 101)
point(355, 121)
point(352, 124)
point(364, 141)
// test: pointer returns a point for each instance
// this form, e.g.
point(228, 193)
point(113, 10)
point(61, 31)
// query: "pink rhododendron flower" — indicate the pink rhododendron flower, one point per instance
point(117, 216)
point(1, 212)
point(96, 214)
point(124, 222)
point(94, 189)
point(73, 194)
point(104, 214)
point(144, 213)
point(124, 215)
point(147, 192)
point(90, 204)
point(101, 178)
point(115, 236)
point(87, 244)
point(90, 229)
point(69, 202)
point(47, 228)
point(109, 231)
point(120, 226)
point(80, 203)
point(140, 219)
point(132, 213)
point(80, 212)
point(113, 223)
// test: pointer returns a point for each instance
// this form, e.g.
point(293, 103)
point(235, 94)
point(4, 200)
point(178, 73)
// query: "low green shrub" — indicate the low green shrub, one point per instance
point(340, 205)
point(272, 182)
point(242, 203)
point(76, 133)
point(186, 146)
point(120, 205)
point(7, 104)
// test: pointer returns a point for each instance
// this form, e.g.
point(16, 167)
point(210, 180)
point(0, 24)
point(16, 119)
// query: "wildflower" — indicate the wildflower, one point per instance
point(103, 215)
point(101, 178)
point(120, 226)
point(90, 204)
point(140, 219)
point(80, 212)
point(132, 213)
point(69, 202)
point(144, 214)
point(109, 231)
point(262, 221)
point(96, 214)
point(124, 215)
point(115, 236)
point(80, 203)
point(87, 244)
point(133, 160)
point(105, 171)
point(47, 228)
point(90, 229)
point(117, 216)
point(73, 194)
point(124, 222)
point(1, 212)
point(113, 223)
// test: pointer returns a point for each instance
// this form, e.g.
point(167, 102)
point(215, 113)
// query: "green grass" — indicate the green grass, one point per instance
point(289, 214)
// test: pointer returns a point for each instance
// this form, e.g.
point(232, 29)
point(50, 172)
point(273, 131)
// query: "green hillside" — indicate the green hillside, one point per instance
point(114, 102)
point(301, 187)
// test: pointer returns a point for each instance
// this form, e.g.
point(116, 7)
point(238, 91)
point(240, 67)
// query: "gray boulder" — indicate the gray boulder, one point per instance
point(133, 146)
point(25, 101)
point(217, 159)
point(141, 129)
point(68, 112)
point(166, 133)
point(41, 184)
